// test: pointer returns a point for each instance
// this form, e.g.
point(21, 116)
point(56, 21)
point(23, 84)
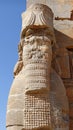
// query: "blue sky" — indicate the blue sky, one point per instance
point(10, 28)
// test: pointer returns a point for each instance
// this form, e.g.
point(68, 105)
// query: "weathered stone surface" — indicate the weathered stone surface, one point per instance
point(37, 98)
point(35, 1)
point(65, 28)
point(63, 60)
point(34, 107)
point(70, 92)
point(63, 24)
point(61, 8)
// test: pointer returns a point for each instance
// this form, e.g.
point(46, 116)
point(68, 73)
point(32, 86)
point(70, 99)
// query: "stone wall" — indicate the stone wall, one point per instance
point(64, 37)
point(69, 87)
point(63, 24)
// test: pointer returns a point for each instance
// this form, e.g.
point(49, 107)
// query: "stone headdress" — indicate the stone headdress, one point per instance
point(38, 16)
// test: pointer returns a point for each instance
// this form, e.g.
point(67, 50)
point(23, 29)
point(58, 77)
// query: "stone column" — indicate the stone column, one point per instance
point(32, 104)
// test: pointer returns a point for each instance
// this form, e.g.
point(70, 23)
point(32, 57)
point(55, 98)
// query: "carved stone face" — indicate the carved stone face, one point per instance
point(37, 46)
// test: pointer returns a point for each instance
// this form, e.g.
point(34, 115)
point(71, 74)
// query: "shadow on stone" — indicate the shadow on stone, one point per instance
point(63, 40)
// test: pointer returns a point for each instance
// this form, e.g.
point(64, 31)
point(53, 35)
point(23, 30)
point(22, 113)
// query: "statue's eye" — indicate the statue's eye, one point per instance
point(29, 32)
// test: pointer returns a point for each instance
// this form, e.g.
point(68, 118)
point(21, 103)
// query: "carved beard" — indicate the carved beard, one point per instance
point(37, 56)
point(37, 48)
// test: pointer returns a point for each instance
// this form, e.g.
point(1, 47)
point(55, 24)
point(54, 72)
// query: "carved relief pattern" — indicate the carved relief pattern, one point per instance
point(37, 57)
point(36, 107)
point(30, 95)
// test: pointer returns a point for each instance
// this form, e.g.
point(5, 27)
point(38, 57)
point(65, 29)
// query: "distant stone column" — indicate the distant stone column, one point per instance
point(32, 104)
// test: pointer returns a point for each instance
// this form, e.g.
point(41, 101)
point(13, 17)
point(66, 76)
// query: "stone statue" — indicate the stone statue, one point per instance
point(37, 99)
